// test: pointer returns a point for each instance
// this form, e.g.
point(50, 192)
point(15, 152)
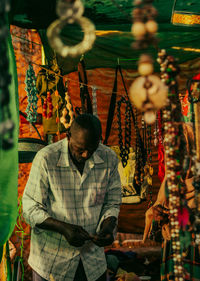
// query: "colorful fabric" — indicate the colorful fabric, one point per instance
point(56, 189)
point(191, 263)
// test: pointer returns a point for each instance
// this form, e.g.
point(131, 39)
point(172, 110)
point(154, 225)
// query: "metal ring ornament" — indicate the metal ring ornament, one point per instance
point(53, 34)
point(70, 11)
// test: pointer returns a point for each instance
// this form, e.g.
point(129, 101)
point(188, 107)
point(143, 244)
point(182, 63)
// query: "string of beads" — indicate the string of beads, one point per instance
point(124, 147)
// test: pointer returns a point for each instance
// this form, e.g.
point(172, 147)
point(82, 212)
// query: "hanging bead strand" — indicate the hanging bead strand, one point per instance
point(94, 100)
point(31, 90)
point(67, 113)
point(169, 71)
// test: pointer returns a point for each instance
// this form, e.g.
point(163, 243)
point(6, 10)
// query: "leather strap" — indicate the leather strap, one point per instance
point(84, 94)
point(112, 110)
point(111, 107)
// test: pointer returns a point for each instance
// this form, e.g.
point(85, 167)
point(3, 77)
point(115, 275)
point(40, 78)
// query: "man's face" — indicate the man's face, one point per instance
point(80, 145)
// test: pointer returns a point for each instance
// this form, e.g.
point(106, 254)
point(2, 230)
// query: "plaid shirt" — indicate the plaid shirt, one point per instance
point(56, 189)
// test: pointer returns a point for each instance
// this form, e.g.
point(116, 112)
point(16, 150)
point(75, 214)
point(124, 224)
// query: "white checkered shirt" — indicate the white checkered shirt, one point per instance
point(56, 189)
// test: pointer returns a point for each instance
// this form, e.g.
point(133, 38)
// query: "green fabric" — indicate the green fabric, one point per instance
point(9, 162)
point(111, 15)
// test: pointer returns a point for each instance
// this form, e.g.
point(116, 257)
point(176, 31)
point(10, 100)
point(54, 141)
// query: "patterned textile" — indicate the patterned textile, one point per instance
point(191, 263)
point(56, 189)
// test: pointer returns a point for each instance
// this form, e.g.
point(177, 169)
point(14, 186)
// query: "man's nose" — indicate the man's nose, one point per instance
point(85, 154)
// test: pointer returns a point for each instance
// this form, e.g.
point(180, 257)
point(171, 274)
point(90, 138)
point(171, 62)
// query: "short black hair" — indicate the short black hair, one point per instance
point(90, 123)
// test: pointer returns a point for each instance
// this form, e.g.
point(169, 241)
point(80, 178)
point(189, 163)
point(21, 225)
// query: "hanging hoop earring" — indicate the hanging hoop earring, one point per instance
point(53, 34)
point(70, 11)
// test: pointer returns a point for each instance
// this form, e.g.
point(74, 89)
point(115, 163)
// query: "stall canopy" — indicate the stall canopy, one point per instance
point(113, 20)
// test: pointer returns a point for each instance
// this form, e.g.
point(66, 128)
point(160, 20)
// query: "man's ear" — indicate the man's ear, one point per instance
point(68, 134)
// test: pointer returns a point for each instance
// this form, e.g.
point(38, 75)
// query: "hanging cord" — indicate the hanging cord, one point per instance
point(134, 122)
point(124, 147)
point(69, 79)
point(111, 108)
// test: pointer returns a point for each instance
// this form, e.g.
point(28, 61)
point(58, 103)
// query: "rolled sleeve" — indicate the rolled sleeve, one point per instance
point(35, 194)
point(113, 197)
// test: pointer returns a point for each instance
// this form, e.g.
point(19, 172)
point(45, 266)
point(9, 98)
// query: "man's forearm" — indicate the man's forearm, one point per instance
point(53, 225)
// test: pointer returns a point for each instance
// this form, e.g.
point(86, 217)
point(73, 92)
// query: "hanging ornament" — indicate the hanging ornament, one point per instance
point(194, 98)
point(139, 168)
point(94, 101)
point(67, 113)
point(161, 165)
point(31, 90)
point(70, 12)
point(124, 147)
point(147, 92)
point(176, 190)
point(47, 108)
point(144, 26)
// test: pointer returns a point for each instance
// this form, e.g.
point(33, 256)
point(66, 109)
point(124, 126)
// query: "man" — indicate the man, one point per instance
point(72, 201)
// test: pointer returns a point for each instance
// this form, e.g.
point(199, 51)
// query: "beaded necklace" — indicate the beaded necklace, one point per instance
point(194, 98)
point(144, 27)
point(175, 188)
point(31, 90)
point(124, 147)
point(67, 113)
point(139, 156)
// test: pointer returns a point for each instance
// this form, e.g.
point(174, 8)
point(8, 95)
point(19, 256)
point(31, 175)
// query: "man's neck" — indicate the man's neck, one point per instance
point(79, 166)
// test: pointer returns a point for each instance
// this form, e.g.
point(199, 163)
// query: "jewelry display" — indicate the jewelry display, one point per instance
point(124, 147)
point(194, 98)
point(94, 100)
point(148, 92)
point(161, 165)
point(47, 108)
point(139, 168)
point(172, 146)
point(69, 9)
point(31, 90)
point(144, 25)
point(71, 12)
point(67, 113)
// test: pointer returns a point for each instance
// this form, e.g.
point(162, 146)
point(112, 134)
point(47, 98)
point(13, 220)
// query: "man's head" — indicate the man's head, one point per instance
point(84, 137)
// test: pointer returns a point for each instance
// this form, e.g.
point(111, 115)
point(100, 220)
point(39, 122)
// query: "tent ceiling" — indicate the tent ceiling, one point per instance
point(113, 16)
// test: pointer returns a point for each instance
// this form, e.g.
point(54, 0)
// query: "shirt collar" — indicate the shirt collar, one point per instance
point(63, 160)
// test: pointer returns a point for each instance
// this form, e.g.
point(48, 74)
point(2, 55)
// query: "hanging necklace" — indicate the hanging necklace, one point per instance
point(67, 113)
point(169, 70)
point(124, 147)
point(31, 90)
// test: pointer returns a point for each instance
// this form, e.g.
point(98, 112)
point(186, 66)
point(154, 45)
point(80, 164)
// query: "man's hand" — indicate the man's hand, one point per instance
point(105, 237)
point(75, 234)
